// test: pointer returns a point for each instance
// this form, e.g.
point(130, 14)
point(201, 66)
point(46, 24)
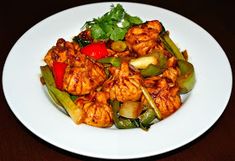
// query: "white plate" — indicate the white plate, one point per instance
point(199, 112)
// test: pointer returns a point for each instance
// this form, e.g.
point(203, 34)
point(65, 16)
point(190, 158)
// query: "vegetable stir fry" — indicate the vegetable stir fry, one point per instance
point(118, 71)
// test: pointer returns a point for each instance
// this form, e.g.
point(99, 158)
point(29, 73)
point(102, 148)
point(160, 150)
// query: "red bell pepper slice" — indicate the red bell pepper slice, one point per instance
point(95, 50)
point(58, 72)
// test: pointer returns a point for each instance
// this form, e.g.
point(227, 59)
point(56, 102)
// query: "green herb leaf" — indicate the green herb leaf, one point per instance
point(112, 25)
point(117, 13)
point(118, 34)
point(126, 23)
point(133, 19)
point(97, 32)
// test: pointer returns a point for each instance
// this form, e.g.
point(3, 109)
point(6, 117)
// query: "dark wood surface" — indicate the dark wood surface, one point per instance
point(17, 143)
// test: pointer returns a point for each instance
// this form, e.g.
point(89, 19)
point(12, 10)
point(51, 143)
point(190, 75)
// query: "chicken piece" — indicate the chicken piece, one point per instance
point(83, 76)
point(171, 74)
point(171, 62)
point(165, 92)
point(143, 39)
point(166, 98)
point(64, 51)
point(97, 110)
point(122, 54)
point(123, 85)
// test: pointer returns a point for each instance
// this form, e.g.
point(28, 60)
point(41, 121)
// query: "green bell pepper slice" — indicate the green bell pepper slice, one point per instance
point(151, 70)
point(115, 61)
point(171, 46)
point(187, 78)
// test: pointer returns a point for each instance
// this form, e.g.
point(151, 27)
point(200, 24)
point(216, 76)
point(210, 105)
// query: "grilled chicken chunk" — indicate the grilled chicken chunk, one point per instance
point(97, 110)
point(123, 85)
point(142, 39)
point(165, 91)
point(83, 76)
point(64, 51)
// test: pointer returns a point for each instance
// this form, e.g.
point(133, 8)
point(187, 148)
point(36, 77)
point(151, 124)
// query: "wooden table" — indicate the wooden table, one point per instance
point(17, 143)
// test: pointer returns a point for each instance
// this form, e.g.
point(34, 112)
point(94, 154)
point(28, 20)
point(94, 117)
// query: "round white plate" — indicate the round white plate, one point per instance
point(200, 110)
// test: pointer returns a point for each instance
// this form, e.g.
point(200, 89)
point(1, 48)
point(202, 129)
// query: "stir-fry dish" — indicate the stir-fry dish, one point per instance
point(118, 71)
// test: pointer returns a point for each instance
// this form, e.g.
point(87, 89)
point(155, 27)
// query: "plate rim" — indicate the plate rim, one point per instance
point(99, 156)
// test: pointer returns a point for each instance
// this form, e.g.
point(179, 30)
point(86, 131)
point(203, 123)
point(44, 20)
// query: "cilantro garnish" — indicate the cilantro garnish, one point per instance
point(113, 24)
